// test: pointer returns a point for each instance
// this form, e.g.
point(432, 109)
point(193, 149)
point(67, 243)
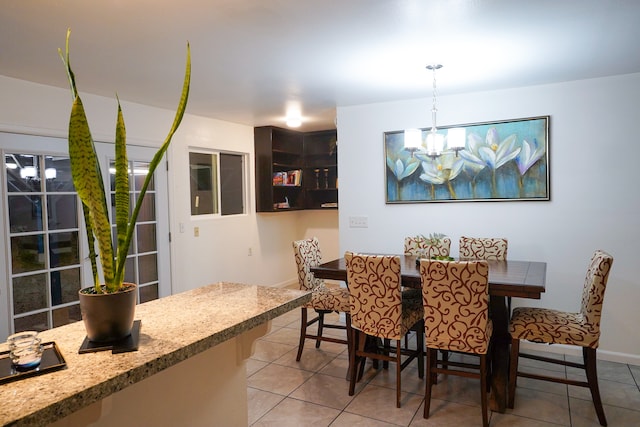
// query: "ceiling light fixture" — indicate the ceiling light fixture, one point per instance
point(294, 122)
point(435, 142)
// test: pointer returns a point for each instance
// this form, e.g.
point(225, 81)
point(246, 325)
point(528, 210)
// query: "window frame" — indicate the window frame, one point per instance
point(217, 183)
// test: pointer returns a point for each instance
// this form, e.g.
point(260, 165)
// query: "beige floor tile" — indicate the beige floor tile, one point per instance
point(337, 367)
point(611, 393)
point(278, 379)
point(635, 371)
point(583, 414)
point(324, 390)
point(254, 365)
point(269, 351)
point(295, 413)
point(380, 403)
point(457, 389)
point(609, 371)
point(287, 318)
point(352, 420)
point(446, 414)
point(409, 380)
point(541, 406)
point(311, 359)
point(283, 336)
point(260, 402)
point(511, 420)
point(327, 346)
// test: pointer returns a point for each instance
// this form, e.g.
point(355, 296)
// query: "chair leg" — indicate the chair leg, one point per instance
point(387, 346)
point(431, 358)
point(483, 389)
point(398, 371)
point(320, 327)
point(358, 339)
point(347, 321)
point(513, 372)
point(420, 349)
point(303, 332)
point(589, 355)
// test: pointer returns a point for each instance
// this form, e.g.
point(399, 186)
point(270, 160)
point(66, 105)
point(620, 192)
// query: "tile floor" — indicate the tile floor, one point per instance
point(314, 391)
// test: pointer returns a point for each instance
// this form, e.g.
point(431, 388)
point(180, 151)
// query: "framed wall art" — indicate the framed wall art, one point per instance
point(501, 161)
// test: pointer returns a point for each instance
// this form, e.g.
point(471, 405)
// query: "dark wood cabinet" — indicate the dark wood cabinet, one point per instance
point(295, 170)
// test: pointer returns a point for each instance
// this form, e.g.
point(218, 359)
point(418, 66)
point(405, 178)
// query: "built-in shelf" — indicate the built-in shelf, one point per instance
point(283, 151)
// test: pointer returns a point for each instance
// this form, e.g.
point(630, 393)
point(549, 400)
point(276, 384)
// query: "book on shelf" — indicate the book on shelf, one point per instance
point(329, 205)
point(288, 178)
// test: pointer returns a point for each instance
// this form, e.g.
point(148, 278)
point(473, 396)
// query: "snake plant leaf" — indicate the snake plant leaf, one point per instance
point(87, 180)
point(121, 184)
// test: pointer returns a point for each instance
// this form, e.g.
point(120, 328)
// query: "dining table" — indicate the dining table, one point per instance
point(507, 279)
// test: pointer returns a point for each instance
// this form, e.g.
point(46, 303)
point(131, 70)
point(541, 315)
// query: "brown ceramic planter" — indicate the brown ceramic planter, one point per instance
point(108, 317)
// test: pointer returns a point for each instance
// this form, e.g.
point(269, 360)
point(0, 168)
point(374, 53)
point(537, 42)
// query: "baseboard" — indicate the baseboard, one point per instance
point(610, 356)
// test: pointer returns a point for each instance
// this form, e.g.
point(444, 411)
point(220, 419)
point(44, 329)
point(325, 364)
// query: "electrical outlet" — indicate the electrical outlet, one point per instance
point(358, 222)
point(250, 252)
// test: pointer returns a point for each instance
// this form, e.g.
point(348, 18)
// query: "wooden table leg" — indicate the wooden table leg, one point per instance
point(499, 353)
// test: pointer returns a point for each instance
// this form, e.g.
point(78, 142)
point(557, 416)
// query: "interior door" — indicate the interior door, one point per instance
point(43, 251)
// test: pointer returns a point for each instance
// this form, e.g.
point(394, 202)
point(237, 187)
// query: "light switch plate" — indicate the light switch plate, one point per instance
point(358, 222)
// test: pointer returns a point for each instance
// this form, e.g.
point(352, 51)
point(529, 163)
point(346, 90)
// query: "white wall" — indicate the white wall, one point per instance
point(595, 199)
point(221, 250)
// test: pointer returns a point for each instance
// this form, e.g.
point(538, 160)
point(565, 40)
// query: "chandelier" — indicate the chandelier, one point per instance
point(435, 144)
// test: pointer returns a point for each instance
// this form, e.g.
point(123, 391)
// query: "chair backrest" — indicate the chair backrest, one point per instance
point(595, 284)
point(307, 254)
point(483, 248)
point(418, 246)
point(375, 296)
point(455, 295)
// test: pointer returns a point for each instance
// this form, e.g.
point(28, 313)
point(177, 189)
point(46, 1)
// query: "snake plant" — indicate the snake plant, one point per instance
point(87, 178)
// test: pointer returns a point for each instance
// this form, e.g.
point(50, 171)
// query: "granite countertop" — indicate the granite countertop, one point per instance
point(173, 329)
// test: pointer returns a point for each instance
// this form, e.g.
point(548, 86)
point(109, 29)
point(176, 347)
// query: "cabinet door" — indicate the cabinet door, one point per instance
point(321, 167)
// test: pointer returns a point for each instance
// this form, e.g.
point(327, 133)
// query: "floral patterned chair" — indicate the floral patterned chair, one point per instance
point(418, 246)
point(378, 310)
point(483, 248)
point(456, 318)
point(580, 329)
point(323, 299)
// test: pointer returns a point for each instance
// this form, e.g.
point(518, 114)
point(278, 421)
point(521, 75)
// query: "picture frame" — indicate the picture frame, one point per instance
point(505, 160)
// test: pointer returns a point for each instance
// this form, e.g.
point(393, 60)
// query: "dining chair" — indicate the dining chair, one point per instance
point(486, 248)
point(456, 319)
point(582, 329)
point(483, 248)
point(419, 246)
point(324, 299)
point(379, 312)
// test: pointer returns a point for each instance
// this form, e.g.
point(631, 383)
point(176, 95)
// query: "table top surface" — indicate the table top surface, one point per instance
point(524, 279)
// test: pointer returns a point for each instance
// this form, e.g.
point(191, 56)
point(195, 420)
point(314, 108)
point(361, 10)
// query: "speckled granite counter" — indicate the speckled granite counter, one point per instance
point(173, 329)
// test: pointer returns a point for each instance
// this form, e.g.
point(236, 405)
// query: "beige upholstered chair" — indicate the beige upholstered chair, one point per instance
point(483, 248)
point(378, 310)
point(323, 299)
point(581, 329)
point(456, 318)
point(419, 246)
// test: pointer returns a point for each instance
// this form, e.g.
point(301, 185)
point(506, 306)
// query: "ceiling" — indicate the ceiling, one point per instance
point(253, 59)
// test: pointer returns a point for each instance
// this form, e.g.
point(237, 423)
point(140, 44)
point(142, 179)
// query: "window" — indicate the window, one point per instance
point(217, 182)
